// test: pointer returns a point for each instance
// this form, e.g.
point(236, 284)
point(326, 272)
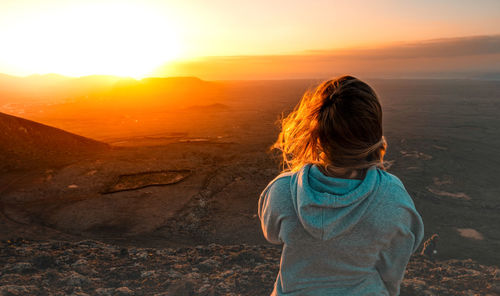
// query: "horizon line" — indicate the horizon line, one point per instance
point(436, 47)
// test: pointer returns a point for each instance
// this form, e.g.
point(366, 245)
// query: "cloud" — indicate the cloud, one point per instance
point(464, 46)
point(462, 57)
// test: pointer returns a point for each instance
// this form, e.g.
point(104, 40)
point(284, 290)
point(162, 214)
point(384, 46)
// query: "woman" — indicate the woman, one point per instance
point(347, 226)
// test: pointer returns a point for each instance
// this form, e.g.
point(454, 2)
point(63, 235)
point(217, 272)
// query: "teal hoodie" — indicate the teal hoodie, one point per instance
point(340, 236)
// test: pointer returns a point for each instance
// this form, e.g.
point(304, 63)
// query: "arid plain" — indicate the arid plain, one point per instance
point(184, 165)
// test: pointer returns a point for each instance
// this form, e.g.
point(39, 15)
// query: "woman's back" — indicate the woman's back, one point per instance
point(341, 236)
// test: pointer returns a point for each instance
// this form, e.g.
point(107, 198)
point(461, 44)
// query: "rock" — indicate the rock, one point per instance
point(174, 274)
point(82, 266)
point(206, 289)
point(104, 291)
point(227, 273)
point(13, 290)
point(142, 255)
point(76, 279)
point(80, 262)
point(123, 291)
point(193, 275)
point(430, 246)
point(22, 267)
point(208, 265)
point(148, 274)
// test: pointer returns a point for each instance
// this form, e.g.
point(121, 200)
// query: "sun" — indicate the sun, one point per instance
point(85, 39)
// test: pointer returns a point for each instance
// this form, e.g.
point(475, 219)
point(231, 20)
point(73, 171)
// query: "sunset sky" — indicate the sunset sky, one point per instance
point(152, 37)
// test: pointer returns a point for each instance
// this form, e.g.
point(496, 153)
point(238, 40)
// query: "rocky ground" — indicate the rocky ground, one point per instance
point(94, 268)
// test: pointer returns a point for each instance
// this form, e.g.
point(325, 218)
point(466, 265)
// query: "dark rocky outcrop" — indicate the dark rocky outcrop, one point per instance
point(94, 268)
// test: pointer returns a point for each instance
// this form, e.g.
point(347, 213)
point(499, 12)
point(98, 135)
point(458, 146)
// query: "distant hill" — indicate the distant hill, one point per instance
point(27, 144)
point(168, 92)
point(209, 107)
point(30, 89)
point(55, 95)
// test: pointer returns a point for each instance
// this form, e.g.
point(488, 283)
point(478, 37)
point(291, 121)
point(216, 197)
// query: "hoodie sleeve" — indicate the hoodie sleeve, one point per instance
point(271, 211)
point(394, 257)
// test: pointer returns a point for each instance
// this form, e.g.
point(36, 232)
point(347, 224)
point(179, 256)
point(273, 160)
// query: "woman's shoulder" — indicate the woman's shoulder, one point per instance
point(390, 179)
point(393, 190)
point(276, 197)
point(280, 184)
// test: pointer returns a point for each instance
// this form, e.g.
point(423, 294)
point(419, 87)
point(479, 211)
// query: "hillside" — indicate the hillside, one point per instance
point(27, 144)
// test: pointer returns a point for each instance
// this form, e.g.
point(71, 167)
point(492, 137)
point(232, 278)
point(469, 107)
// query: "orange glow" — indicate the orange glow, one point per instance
point(113, 39)
point(137, 37)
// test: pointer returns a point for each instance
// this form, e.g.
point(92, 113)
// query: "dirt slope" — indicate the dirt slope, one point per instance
point(25, 144)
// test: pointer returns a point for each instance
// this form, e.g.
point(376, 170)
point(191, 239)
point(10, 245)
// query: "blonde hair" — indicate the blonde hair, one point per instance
point(338, 124)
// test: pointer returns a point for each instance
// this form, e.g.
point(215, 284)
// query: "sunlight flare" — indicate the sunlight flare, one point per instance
point(114, 39)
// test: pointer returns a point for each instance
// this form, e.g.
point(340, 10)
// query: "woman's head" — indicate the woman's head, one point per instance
point(339, 124)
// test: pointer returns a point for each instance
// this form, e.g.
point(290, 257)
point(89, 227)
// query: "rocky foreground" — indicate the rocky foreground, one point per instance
point(94, 268)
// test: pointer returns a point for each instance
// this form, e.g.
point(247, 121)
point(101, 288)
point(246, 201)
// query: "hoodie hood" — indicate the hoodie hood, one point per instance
point(328, 206)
